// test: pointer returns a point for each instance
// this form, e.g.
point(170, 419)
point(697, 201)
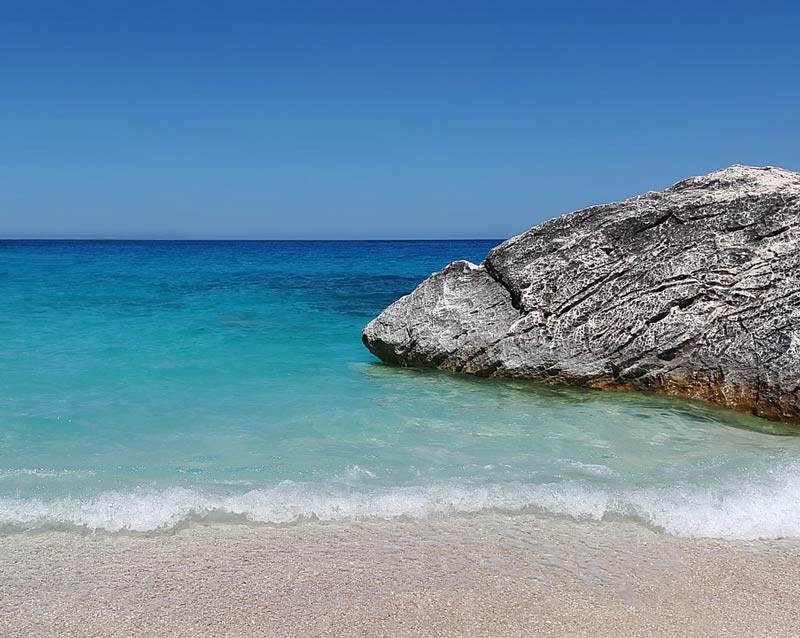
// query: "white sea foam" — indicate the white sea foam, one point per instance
point(43, 473)
point(765, 508)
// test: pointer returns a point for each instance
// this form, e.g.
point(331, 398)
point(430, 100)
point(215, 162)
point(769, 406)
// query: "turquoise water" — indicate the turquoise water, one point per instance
point(146, 384)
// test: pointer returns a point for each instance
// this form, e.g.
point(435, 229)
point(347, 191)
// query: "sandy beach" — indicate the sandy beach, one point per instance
point(487, 575)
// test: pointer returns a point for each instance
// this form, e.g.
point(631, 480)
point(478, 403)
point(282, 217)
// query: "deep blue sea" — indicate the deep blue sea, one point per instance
point(146, 385)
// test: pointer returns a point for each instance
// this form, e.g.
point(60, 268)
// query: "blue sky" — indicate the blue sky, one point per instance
point(376, 119)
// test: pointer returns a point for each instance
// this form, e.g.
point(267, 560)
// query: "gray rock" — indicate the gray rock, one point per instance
point(692, 291)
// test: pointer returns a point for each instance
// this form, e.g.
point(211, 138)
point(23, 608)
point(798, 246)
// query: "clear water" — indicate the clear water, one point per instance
point(145, 384)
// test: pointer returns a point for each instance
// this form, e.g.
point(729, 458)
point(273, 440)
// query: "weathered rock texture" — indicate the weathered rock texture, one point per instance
point(691, 291)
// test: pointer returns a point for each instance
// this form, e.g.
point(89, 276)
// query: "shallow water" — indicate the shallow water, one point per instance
point(145, 383)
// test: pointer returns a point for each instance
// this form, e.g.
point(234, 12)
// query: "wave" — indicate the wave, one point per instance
point(766, 506)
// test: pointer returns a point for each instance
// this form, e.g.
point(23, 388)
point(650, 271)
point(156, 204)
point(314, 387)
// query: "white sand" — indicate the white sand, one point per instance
point(489, 575)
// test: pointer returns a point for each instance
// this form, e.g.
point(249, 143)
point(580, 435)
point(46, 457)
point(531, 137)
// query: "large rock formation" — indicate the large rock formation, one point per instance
point(692, 291)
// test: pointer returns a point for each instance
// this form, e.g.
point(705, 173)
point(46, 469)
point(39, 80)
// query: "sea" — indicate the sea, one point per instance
point(146, 386)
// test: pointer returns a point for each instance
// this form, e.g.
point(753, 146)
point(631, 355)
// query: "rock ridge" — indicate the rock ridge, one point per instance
point(691, 291)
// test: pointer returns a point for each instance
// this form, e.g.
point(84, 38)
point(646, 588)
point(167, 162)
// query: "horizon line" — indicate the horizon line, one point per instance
point(238, 239)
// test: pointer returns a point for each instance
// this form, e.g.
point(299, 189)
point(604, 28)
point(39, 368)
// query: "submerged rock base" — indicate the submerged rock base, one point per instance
point(691, 291)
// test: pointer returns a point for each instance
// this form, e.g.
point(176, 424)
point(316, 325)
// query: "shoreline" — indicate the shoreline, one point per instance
point(482, 575)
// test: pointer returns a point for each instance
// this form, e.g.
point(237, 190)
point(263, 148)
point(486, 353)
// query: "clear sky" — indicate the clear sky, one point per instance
point(376, 119)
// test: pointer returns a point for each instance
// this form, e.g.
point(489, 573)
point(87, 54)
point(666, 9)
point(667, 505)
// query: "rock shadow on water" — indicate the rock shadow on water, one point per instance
point(648, 405)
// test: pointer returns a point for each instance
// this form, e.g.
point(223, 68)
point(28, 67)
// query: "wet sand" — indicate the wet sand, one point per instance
point(488, 575)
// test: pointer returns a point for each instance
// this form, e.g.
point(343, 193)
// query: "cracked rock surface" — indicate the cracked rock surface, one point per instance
point(692, 291)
